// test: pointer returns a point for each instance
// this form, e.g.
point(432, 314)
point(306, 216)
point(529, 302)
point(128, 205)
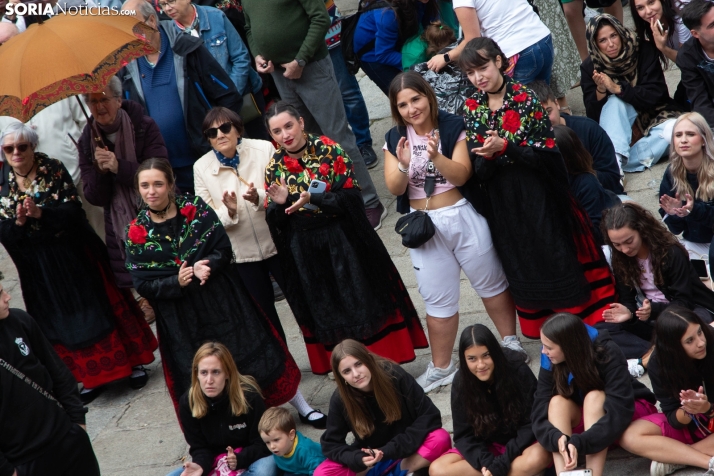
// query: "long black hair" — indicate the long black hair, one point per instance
point(581, 355)
point(576, 157)
point(408, 16)
point(490, 406)
point(644, 31)
point(677, 370)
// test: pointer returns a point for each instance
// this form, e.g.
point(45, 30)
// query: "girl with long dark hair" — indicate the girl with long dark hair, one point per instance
point(648, 16)
point(549, 254)
point(393, 422)
point(652, 271)
point(427, 142)
point(491, 401)
point(381, 33)
point(585, 397)
point(584, 184)
point(681, 370)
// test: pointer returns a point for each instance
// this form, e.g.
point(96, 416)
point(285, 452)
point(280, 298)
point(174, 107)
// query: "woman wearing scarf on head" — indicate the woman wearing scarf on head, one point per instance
point(625, 91)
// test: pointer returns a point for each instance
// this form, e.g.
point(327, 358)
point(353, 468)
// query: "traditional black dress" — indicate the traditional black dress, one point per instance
point(219, 310)
point(67, 283)
point(340, 281)
point(542, 235)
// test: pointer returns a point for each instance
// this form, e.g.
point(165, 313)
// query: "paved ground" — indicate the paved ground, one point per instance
point(135, 433)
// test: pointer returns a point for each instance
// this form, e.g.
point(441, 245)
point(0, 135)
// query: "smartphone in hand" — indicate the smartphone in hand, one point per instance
point(316, 186)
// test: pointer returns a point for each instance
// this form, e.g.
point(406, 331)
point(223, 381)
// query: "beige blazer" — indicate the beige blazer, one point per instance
point(247, 230)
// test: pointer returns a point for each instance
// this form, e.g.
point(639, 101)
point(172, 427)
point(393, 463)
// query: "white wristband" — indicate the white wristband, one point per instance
point(404, 171)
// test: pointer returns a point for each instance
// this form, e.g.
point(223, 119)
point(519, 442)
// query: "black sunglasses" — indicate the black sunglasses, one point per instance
point(8, 149)
point(212, 132)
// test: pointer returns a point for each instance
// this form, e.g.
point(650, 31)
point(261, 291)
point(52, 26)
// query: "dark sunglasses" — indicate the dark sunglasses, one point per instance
point(9, 149)
point(212, 132)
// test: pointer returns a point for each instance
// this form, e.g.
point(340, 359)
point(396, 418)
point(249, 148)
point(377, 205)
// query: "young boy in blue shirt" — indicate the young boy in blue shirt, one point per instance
point(293, 452)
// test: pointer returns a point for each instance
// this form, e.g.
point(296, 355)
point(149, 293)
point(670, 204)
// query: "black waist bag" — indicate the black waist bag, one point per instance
point(416, 228)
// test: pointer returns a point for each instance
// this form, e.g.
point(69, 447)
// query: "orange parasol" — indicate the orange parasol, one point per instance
point(65, 56)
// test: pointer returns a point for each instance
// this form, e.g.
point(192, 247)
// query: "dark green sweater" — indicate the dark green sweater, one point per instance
point(283, 30)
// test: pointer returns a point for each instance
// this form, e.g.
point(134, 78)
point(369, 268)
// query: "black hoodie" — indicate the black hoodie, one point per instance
point(30, 421)
point(621, 391)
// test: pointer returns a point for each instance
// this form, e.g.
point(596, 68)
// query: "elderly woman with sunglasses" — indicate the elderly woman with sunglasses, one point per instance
point(68, 286)
point(225, 179)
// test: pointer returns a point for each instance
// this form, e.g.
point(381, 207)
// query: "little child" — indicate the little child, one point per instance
point(293, 452)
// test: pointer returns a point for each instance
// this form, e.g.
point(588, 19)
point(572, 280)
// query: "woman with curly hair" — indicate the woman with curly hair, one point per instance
point(339, 279)
point(491, 401)
point(548, 253)
point(686, 194)
point(181, 260)
point(585, 397)
point(652, 271)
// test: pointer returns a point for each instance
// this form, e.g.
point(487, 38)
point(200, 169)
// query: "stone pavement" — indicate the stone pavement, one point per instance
point(135, 432)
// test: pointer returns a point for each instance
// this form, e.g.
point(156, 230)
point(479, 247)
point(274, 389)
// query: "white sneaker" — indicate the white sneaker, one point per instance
point(636, 369)
point(710, 472)
point(663, 469)
point(514, 343)
point(436, 377)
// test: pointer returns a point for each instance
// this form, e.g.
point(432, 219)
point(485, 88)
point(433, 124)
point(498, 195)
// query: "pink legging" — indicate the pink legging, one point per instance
point(436, 444)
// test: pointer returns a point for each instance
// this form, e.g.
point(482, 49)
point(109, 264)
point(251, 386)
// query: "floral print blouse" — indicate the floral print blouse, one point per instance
point(51, 187)
point(520, 120)
point(323, 159)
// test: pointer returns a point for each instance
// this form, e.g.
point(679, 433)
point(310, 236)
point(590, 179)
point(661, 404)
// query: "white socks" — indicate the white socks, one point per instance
point(303, 408)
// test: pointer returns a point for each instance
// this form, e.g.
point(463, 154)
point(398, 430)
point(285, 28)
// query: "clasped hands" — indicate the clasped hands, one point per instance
point(491, 146)
point(106, 160)
point(27, 208)
point(695, 402)
point(279, 194)
point(292, 69)
point(200, 269)
point(603, 81)
point(569, 453)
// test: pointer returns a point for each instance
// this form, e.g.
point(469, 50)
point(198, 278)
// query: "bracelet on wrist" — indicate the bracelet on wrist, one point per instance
point(404, 171)
point(601, 92)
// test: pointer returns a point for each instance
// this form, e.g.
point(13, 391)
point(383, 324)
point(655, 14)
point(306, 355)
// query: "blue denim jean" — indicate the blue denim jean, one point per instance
point(355, 108)
point(263, 467)
point(535, 62)
point(616, 119)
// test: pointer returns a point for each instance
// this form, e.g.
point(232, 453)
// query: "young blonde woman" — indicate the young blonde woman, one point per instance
point(430, 144)
point(687, 188)
point(219, 415)
point(393, 422)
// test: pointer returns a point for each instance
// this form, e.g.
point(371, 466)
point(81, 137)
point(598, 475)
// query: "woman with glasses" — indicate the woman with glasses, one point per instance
point(225, 179)
point(68, 286)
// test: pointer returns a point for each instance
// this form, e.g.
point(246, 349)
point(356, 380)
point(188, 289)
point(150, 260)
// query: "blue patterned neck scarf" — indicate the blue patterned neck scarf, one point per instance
point(228, 162)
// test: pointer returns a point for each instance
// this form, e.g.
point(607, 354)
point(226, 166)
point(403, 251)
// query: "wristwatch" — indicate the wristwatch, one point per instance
point(447, 59)
point(301, 62)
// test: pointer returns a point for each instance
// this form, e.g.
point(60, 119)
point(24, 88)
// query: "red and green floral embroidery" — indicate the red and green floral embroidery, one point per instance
point(323, 159)
point(520, 120)
point(144, 241)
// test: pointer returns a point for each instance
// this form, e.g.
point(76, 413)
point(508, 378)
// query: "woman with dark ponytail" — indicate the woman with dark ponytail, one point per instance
point(681, 370)
point(585, 397)
point(491, 401)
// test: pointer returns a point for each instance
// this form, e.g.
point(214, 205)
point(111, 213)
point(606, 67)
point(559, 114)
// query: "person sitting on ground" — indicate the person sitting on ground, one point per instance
point(593, 137)
point(219, 416)
point(652, 271)
point(623, 85)
point(694, 58)
point(295, 454)
point(659, 22)
point(43, 433)
point(390, 417)
point(681, 369)
point(491, 401)
point(585, 397)
point(686, 193)
point(583, 181)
